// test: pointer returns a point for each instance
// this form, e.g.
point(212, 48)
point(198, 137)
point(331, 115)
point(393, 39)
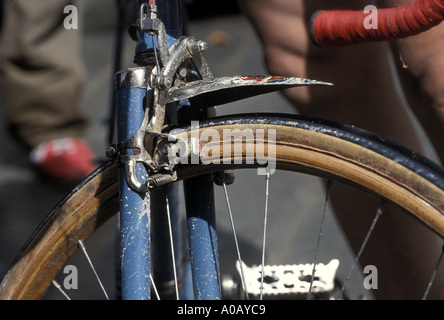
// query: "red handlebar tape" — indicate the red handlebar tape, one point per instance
point(344, 27)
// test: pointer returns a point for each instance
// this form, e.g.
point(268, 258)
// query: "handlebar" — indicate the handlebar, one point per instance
point(344, 27)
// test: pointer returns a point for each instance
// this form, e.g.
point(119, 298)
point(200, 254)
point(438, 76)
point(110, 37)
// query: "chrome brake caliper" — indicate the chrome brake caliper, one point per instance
point(157, 79)
point(165, 82)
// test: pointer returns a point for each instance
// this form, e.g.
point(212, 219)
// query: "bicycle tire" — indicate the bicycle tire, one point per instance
point(319, 147)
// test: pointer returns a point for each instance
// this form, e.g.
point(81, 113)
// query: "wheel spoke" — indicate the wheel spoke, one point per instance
point(171, 244)
point(227, 200)
point(156, 292)
point(59, 287)
point(267, 186)
point(82, 245)
point(364, 243)
point(318, 244)
point(426, 293)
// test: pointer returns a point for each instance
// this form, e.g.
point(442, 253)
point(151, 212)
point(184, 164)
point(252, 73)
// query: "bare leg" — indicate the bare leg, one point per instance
point(364, 95)
point(421, 74)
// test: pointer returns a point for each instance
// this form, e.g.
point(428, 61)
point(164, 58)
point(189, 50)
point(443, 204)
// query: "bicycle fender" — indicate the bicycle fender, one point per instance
point(217, 91)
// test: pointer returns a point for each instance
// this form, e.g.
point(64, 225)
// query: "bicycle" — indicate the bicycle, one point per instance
point(177, 152)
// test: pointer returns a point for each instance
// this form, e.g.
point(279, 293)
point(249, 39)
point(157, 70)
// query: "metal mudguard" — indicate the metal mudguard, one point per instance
point(217, 91)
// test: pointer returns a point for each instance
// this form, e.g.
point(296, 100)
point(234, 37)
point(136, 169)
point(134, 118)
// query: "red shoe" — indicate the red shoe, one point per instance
point(64, 160)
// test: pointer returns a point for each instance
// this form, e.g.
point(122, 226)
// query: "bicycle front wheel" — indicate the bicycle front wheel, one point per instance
point(334, 151)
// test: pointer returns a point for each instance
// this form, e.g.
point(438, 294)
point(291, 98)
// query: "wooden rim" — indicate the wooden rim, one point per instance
point(97, 199)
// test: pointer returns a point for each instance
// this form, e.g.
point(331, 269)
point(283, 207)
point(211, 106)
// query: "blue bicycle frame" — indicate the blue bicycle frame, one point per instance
point(141, 210)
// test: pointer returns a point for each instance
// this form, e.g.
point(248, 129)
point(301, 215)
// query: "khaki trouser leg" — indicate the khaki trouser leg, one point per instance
point(42, 72)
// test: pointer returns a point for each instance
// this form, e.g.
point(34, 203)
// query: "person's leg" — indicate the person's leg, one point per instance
point(364, 95)
point(420, 63)
point(42, 77)
point(42, 73)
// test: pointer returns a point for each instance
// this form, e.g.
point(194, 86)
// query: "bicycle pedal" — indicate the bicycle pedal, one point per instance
point(290, 281)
